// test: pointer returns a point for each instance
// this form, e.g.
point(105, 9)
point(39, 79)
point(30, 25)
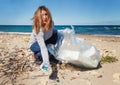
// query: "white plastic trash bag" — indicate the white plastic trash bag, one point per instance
point(77, 51)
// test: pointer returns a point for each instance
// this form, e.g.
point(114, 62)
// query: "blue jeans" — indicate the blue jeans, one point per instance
point(36, 49)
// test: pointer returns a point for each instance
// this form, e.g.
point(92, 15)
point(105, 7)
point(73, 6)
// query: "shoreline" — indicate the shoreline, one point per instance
point(27, 33)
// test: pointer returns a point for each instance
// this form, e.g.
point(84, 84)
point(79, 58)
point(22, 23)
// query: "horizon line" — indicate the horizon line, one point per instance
point(66, 24)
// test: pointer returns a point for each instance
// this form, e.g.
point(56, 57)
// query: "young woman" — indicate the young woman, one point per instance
point(43, 33)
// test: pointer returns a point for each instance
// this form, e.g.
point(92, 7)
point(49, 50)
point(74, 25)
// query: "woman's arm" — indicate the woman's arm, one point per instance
point(32, 39)
point(44, 51)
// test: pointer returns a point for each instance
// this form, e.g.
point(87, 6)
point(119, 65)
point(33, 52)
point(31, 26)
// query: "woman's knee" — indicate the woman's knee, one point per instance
point(35, 47)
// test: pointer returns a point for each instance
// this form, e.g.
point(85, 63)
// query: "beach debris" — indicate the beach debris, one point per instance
point(63, 66)
point(58, 80)
point(73, 78)
point(78, 73)
point(63, 77)
point(14, 63)
point(100, 76)
point(108, 59)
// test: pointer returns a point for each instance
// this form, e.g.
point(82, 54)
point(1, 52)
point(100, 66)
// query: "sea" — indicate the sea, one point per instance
point(102, 30)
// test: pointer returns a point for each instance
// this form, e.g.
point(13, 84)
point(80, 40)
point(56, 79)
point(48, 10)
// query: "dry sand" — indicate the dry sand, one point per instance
point(108, 74)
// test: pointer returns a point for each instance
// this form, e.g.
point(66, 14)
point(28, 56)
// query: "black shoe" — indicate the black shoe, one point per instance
point(54, 73)
point(53, 76)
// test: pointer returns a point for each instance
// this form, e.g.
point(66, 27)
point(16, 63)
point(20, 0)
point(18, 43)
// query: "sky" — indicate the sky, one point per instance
point(64, 12)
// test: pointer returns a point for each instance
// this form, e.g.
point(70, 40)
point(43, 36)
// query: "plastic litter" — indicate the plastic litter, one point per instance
point(75, 50)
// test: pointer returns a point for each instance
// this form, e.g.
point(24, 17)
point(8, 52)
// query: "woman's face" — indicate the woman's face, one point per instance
point(44, 16)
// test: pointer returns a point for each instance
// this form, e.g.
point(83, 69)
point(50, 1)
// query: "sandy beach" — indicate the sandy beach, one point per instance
point(107, 74)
